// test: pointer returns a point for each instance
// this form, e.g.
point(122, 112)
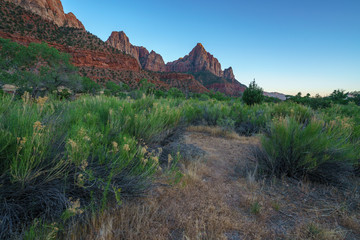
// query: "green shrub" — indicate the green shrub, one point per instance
point(301, 113)
point(204, 97)
point(316, 150)
point(89, 86)
point(113, 88)
point(88, 150)
point(175, 93)
point(250, 119)
point(160, 94)
point(253, 94)
point(339, 97)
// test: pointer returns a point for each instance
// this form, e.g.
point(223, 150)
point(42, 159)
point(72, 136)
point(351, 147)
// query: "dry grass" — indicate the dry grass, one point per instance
point(215, 131)
point(214, 202)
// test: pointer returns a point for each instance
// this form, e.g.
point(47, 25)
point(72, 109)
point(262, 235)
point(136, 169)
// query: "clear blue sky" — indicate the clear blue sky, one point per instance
point(286, 45)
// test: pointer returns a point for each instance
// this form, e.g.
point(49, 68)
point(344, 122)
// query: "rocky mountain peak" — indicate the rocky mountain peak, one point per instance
point(120, 41)
point(198, 60)
point(51, 10)
point(149, 61)
point(200, 47)
point(229, 74)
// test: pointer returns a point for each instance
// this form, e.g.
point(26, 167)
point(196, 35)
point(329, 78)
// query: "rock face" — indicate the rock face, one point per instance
point(51, 10)
point(198, 60)
point(148, 61)
point(228, 88)
point(154, 62)
point(229, 74)
point(183, 81)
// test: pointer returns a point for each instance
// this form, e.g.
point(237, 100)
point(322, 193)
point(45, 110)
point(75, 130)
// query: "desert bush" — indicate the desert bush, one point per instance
point(315, 150)
point(114, 89)
point(348, 115)
point(175, 93)
point(159, 94)
point(315, 103)
point(89, 86)
point(59, 158)
point(301, 113)
point(204, 97)
point(253, 94)
point(208, 113)
point(250, 120)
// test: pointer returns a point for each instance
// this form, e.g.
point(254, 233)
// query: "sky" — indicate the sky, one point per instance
point(287, 46)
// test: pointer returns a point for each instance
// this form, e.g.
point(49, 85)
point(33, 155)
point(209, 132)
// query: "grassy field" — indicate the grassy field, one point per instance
point(62, 160)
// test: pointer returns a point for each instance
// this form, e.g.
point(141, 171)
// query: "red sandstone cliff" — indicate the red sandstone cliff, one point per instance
point(229, 74)
point(198, 60)
point(228, 88)
point(148, 61)
point(51, 10)
point(183, 81)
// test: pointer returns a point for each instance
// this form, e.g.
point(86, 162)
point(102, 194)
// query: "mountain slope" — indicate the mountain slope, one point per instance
point(51, 10)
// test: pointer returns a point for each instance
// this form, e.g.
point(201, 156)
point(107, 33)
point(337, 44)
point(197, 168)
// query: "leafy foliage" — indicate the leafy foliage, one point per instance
point(175, 93)
point(253, 94)
point(339, 96)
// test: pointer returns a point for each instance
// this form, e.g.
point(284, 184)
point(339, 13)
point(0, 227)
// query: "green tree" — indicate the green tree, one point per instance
point(147, 87)
point(339, 96)
point(253, 94)
point(175, 93)
point(356, 98)
point(113, 88)
point(89, 86)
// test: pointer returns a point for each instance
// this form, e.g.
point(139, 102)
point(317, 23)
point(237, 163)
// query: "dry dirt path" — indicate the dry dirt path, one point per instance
point(218, 200)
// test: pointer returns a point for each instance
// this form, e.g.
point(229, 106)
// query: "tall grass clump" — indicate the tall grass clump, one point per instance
point(302, 114)
point(61, 158)
point(248, 119)
point(314, 150)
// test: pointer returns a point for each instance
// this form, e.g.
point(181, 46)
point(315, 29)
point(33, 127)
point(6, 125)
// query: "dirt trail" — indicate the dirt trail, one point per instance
point(211, 205)
point(223, 157)
point(217, 200)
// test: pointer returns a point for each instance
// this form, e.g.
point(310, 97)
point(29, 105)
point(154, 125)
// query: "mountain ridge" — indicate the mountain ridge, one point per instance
point(117, 61)
point(197, 61)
